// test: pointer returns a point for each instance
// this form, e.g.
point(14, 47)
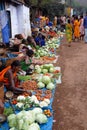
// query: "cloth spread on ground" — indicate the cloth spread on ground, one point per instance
point(47, 125)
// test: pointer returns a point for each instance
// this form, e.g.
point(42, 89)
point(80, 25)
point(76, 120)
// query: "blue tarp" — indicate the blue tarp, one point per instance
point(45, 126)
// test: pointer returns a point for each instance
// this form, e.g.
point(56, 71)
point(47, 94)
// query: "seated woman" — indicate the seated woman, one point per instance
point(26, 60)
point(31, 41)
point(52, 33)
point(40, 40)
point(9, 77)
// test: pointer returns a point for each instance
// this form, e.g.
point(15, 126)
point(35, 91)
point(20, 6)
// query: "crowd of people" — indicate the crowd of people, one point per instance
point(76, 29)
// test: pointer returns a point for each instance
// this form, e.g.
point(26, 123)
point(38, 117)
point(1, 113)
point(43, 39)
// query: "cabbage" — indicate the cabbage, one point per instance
point(12, 120)
point(20, 124)
point(13, 128)
point(40, 85)
point(37, 66)
point(41, 118)
point(36, 102)
point(50, 86)
point(33, 98)
point(25, 125)
point(39, 79)
point(51, 65)
point(20, 98)
point(20, 105)
point(41, 66)
point(47, 100)
point(46, 66)
point(29, 117)
point(44, 71)
point(38, 70)
point(46, 79)
point(20, 115)
point(37, 110)
point(33, 126)
point(51, 69)
point(43, 104)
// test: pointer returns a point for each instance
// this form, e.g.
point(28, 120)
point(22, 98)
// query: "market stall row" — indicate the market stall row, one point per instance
point(35, 112)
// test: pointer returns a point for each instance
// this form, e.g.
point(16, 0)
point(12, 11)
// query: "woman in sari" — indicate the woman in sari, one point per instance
point(69, 32)
point(77, 28)
point(82, 30)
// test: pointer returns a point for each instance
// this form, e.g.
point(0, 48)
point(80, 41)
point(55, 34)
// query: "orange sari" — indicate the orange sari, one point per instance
point(2, 74)
point(77, 28)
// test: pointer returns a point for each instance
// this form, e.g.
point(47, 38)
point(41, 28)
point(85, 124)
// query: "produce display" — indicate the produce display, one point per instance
point(33, 111)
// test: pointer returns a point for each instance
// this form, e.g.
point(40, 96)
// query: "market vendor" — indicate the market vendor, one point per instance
point(9, 77)
point(40, 40)
point(31, 41)
point(27, 58)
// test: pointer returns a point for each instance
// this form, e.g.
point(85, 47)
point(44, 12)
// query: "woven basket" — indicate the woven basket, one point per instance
point(2, 91)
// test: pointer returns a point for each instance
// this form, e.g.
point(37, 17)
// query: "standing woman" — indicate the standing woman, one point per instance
point(69, 32)
point(76, 28)
point(82, 32)
point(55, 21)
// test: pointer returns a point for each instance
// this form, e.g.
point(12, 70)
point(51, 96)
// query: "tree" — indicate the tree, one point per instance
point(45, 7)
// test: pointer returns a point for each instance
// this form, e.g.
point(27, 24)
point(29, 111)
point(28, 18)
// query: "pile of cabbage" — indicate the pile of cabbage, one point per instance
point(46, 68)
point(27, 120)
point(53, 43)
point(46, 82)
point(44, 51)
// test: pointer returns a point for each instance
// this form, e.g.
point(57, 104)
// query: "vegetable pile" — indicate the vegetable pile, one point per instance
point(27, 120)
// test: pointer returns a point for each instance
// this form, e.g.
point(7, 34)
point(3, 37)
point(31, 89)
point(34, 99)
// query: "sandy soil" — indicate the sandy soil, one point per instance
point(70, 101)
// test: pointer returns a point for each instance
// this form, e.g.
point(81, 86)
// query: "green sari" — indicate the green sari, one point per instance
point(69, 32)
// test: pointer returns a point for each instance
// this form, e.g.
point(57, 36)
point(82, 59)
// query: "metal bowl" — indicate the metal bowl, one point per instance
point(9, 94)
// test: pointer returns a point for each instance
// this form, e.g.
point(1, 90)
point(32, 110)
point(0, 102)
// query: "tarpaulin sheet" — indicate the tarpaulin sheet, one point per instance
point(45, 126)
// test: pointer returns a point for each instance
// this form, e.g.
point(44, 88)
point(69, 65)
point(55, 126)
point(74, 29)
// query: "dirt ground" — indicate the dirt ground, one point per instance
point(70, 100)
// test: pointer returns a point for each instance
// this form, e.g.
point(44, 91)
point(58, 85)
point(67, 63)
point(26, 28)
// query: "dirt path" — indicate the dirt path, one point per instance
point(70, 102)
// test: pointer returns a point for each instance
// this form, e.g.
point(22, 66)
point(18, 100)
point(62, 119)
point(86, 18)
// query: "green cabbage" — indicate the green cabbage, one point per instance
point(29, 117)
point(13, 128)
point(44, 71)
point(51, 69)
point(38, 70)
point(12, 120)
point(40, 85)
point(41, 118)
point(50, 86)
point(46, 79)
point(20, 124)
point(33, 126)
point(37, 110)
